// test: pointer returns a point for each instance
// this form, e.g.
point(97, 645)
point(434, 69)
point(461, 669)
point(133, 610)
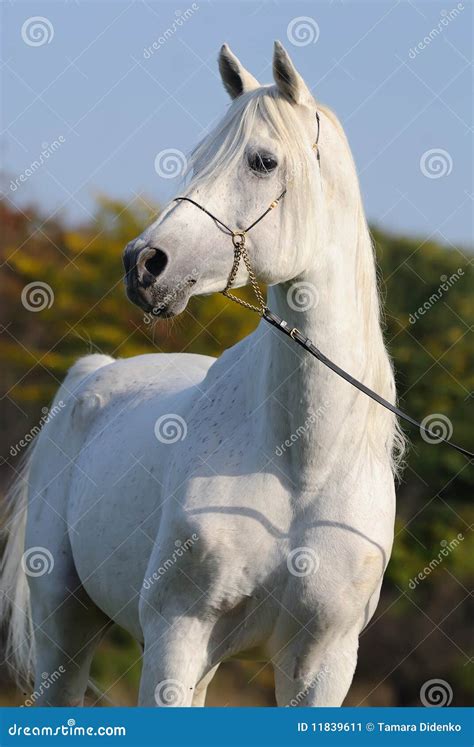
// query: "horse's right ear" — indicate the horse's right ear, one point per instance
point(236, 78)
point(289, 82)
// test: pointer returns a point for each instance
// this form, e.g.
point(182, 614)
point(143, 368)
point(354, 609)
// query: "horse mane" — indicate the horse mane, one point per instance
point(224, 147)
point(379, 373)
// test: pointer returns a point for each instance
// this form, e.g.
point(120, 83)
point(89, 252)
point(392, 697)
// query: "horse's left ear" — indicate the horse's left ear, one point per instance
point(289, 82)
point(235, 77)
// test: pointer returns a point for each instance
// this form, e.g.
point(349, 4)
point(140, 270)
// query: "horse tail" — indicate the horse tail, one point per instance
point(15, 610)
point(14, 592)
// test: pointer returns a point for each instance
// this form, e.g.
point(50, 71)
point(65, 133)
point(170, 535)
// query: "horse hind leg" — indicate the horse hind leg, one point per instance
point(67, 628)
point(53, 626)
point(67, 624)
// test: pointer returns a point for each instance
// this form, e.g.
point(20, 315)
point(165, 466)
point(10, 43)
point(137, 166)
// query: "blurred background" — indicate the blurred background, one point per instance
point(101, 104)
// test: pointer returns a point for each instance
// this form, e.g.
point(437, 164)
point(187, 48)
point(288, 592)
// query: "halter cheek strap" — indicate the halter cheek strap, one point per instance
point(316, 142)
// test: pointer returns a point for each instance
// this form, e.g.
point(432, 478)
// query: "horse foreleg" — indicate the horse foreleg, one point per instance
point(316, 674)
point(199, 699)
point(175, 662)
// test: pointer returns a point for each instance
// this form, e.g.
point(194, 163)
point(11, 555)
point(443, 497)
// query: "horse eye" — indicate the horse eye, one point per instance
point(262, 163)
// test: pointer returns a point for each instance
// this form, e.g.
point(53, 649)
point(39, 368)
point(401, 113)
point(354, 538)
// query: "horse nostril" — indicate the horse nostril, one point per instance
point(156, 264)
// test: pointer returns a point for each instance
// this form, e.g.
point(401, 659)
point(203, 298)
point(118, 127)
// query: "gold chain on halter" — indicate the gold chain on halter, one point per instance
point(240, 252)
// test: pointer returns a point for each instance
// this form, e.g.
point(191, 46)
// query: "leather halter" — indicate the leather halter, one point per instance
point(240, 252)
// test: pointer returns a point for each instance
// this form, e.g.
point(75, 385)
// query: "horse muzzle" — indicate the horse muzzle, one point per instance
point(143, 266)
point(144, 282)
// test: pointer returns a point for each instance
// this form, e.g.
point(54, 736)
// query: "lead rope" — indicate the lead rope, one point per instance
point(240, 253)
point(310, 347)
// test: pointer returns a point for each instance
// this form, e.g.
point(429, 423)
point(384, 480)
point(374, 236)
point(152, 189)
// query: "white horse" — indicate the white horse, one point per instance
point(216, 507)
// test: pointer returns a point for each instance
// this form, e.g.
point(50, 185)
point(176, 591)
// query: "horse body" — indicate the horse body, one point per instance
point(120, 471)
point(268, 520)
point(224, 485)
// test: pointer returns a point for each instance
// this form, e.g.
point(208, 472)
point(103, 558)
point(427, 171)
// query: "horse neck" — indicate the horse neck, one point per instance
point(304, 402)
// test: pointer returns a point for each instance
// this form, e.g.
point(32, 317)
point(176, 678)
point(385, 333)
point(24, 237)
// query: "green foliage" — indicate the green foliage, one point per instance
point(433, 351)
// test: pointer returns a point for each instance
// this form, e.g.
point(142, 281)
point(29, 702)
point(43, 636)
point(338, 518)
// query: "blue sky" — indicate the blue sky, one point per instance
point(83, 79)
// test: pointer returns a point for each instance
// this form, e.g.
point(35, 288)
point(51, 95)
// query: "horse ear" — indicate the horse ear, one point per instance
point(236, 78)
point(289, 82)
